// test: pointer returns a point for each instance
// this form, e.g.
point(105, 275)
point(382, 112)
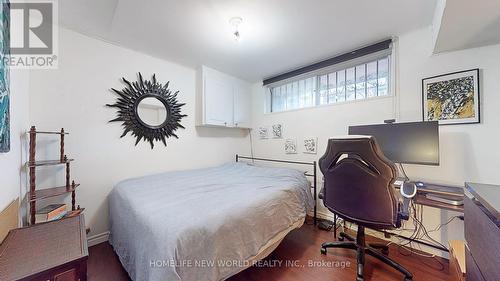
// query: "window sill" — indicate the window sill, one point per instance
point(331, 104)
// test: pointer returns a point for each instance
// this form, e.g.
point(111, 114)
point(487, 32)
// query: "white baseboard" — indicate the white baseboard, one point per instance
point(98, 238)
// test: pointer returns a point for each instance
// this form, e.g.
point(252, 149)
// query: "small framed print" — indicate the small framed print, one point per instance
point(452, 98)
point(277, 131)
point(311, 145)
point(291, 146)
point(263, 133)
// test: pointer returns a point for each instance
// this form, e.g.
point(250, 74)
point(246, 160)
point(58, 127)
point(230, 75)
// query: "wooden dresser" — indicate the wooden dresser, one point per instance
point(55, 251)
point(482, 231)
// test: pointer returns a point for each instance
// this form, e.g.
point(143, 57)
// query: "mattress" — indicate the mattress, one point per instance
point(205, 224)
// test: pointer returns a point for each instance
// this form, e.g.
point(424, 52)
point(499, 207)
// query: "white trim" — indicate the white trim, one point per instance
point(394, 78)
point(390, 96)
point(97, 239)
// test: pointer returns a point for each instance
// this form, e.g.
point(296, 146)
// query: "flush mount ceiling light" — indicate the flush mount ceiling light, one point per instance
point(235, 22)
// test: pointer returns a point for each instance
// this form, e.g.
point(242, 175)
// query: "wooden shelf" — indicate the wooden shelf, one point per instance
point(48, 162)
point(51, 192)
point(35, 194)
point(49, 133)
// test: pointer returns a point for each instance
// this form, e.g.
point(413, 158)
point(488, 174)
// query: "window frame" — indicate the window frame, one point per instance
point(316, 75)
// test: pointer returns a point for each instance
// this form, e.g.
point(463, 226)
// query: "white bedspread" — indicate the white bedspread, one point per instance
point(202, 224)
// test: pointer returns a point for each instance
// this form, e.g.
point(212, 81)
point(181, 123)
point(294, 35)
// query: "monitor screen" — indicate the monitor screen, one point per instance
point(411, 143)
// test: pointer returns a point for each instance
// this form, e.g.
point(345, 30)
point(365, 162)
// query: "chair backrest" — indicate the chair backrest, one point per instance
point(359, 182)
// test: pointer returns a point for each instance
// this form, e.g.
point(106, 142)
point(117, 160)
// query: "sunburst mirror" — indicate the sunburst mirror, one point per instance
point(149, 110)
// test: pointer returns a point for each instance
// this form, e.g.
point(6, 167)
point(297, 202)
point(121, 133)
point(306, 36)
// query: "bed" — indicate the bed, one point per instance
point(205, 224)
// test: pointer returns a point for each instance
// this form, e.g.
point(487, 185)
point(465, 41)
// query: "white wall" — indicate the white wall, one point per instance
point(467, 152)
point(11, 162)
point(74, 96)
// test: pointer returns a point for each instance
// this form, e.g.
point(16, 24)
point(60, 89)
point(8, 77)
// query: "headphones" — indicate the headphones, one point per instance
point(408, 189)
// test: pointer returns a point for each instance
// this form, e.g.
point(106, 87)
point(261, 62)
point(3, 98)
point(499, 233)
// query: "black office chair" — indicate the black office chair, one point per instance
point(358, 187)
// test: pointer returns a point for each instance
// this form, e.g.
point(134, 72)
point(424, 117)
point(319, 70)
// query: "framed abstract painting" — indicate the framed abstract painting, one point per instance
point(4, 77)
point(452, 98)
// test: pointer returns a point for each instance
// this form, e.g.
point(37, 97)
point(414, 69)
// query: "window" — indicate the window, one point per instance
point(359, 82)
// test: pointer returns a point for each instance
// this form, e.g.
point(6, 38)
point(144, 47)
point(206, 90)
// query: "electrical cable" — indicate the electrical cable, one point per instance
point(444, 224)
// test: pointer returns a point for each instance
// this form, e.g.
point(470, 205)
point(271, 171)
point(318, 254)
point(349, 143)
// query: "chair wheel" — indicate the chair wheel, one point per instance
point(323, 251)
point(341, 238)
point(407, 279)
point(359, 278)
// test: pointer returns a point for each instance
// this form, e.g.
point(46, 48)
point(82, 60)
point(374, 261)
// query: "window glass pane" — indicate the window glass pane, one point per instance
point(289, 96)
point(275, 96)
point(371, 79)
point(309, 92)
point(302, 93)
point(323, 89)
point(340, 86)
point(349, 84)
point(360, 82)
point(283, 97)
point(295, 94)
point(332, 87)
point(383, 76)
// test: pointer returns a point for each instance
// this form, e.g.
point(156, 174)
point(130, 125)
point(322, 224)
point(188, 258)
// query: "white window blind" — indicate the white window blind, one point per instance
point(361, 81)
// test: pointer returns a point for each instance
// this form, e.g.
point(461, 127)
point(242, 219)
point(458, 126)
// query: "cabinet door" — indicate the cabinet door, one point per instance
point(242, 102)
point(218, 101)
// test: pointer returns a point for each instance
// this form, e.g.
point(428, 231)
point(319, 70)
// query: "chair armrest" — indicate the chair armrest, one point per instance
point(321, 193)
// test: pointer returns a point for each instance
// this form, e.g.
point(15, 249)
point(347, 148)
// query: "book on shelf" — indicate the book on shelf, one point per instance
point(73, 213)
point(50, 212)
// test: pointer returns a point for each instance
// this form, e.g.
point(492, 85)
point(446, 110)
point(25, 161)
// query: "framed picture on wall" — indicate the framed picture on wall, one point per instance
point(263, 133)
point(4, 77)
point(452, 98)
point(277, 131)
point(291, 146)
point(311, 145)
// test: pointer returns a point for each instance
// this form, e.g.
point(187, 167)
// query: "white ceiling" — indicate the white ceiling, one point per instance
point(277, 35)
point(466, 24)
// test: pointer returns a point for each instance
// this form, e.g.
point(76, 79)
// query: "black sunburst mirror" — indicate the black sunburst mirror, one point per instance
point(134, 96)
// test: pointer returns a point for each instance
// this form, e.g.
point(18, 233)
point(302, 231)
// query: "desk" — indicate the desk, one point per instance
point(420, 199)
point(482, 231)
point(54, 251)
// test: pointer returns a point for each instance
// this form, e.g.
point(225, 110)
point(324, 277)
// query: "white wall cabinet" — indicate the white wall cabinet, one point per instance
point(242, 105)
point(222, 100)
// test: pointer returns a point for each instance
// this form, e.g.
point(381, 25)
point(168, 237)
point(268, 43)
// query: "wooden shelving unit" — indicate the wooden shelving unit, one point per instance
point(35, 194)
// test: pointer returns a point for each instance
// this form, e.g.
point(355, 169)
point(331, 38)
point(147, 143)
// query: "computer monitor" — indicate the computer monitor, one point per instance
point(410, 143)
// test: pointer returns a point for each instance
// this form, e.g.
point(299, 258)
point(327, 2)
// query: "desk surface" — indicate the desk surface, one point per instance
point(422, 200)
point(489, 197)
point(34, 249)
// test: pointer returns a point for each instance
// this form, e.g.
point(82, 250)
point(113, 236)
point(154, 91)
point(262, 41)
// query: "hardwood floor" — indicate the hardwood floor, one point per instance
point(301, 249)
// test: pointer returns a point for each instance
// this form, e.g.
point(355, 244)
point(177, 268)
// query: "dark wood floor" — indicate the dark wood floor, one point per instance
point(301, 245)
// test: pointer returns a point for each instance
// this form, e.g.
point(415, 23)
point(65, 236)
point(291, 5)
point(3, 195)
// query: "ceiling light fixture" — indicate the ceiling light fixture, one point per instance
point(235, 22)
